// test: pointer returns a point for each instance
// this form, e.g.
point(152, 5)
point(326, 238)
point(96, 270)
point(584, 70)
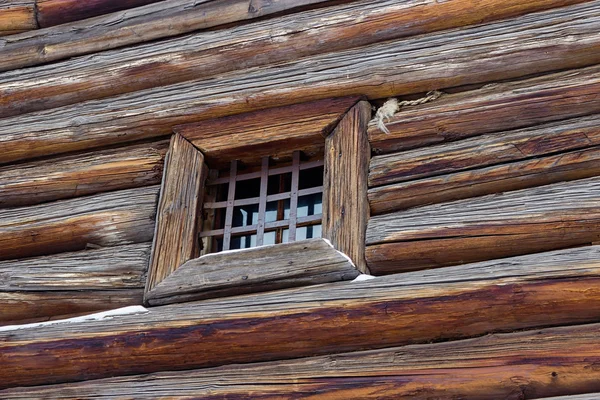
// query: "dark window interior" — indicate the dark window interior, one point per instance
point(274, 202)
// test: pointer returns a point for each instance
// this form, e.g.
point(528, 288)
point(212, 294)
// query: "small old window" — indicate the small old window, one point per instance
point(278, 201)
point(300, 172)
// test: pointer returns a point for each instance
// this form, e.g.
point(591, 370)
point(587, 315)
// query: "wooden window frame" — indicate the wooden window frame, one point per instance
point(338, 127)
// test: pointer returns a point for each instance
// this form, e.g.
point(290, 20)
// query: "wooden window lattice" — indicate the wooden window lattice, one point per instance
point(292, 223)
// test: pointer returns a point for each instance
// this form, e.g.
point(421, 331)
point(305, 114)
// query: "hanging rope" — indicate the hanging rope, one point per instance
point(392, 106)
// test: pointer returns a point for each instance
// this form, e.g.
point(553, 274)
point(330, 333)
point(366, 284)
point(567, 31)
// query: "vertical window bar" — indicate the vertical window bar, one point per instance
point(294, 195)
point(229, 210)
point(262, 203)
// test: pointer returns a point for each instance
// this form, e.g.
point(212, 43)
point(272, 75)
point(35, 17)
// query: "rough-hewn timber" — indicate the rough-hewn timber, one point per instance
point(301, 263)
point(267, 132)
point(107, 219)
point(16, 16)
point(270, 42)
point(72, 283)
point(56, 12)
point(485, 150)
point(82, 174)
point(578, 164)
point(178, 213)
point(138, 25)
point(524, 365)
point(536, 290)
point(117, 267)
point(494, 226)
point(345, 203)
point(25, 307)
point(493, 108)
point(506, 49)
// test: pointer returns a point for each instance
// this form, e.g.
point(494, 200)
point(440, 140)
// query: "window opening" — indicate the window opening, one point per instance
point(277, 203)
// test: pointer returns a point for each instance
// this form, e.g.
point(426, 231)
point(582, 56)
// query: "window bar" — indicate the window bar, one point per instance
point(294, 195)
point(262, 203)
point(230, 202)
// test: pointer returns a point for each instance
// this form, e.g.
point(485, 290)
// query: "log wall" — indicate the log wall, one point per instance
point(524, 365)
point(469, 300)
point(478, 54)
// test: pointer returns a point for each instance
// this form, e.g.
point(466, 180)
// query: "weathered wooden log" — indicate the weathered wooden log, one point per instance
point(72, 283)
point(56, 12)
point(108, 219)
point(266, 132)
point(495, 226)
point(568, 166)
point(536, 290)
point(493, 108)
point(182, 192)
point(478, 54)
point(345, 203)
point(17, 16)
point(26, 307)
point(82, 174)
point(260, 269)
point(485, 150)
point(138, 25)
point(117, 267)
point(523, 365)
point(287, 39)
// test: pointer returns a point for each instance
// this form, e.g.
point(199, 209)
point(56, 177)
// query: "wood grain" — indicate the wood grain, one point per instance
point(345, 204)
point(494, 226)
point(118, 267)
point(141, 24)
point(56, 12)
point(493, 108)
point(260, 269)
point(46, 287)
point(523, 365)
point(485, 150)
point(267, 132)
point(17, 16)
point(27, 307)
point(529, 44)
point(505, 177)
point(108, 219)
point(178, 214)
point(82, 174)
point(537, 290)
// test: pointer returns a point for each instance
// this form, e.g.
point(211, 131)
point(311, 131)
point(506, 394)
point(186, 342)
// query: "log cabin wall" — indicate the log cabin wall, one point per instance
point(483, 202)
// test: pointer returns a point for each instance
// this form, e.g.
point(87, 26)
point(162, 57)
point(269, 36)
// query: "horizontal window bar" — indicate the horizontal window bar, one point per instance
point(303, 221)
point(255, 200)
point(272, 171)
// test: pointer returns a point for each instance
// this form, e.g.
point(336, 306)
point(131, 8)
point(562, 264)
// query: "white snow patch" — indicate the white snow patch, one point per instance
point(104, 315)
point(363, 277)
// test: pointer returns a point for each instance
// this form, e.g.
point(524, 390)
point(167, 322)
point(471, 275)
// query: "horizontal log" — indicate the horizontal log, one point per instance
point(289, 38)
point(108, 219)
point(530, 364)
point(26, 307)
point(141, 24)
point(493, 108)
point(118, 267)
point(40, 288)
point(56, 12)
point(260, 269)
point(82, 174)
point(481, 151)
point(250, 136)
point(506, 177)
point(17, 16)
point(536, 290)
point(494, 226)
point(478, 54)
